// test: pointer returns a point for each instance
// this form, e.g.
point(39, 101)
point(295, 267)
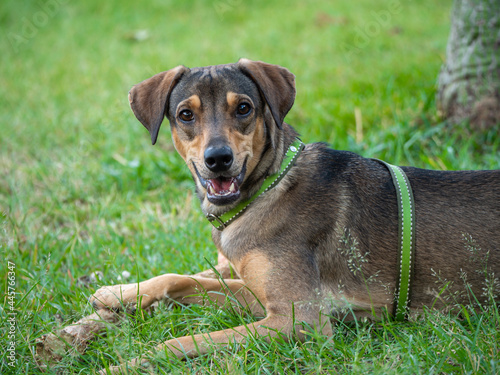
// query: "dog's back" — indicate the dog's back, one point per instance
point(457, 257)
point(458, 233)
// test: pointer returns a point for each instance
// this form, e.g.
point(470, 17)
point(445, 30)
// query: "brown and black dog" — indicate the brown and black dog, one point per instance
point(325, 238)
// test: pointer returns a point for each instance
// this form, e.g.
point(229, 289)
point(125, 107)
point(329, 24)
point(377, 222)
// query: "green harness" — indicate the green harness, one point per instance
point(406, 213)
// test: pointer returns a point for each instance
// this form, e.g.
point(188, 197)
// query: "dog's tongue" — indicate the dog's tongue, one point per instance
point(222, 186)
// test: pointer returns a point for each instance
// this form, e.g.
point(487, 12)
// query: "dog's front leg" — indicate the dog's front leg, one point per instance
point(193, 346)
point(196, 345)
point(79, 334)
point(186, 289)
point(290, 297)
point(147, 292)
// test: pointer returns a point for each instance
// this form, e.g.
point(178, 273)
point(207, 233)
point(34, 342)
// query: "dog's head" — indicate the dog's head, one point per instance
point(223, 120)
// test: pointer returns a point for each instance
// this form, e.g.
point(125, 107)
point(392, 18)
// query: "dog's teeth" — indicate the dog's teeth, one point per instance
point(232, 188)
point(211, 190)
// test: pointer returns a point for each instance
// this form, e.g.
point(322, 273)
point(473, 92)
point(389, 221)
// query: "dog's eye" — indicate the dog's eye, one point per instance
point(243, 109)
point(186, 115)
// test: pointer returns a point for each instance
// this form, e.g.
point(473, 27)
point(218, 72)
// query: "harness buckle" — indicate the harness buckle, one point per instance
point(214, 218)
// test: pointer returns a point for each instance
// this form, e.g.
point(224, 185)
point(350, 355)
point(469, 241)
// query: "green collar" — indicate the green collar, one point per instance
point(293, 152)
point(406, 213)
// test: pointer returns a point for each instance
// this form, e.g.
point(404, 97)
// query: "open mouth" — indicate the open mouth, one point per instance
point(223, 190)
point(222, 187)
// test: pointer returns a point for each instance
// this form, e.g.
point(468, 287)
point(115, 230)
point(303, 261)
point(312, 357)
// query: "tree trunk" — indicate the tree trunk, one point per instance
point(469, 81)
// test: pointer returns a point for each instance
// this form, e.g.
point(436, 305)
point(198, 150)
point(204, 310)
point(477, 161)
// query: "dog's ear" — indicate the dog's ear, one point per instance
point(276, 84)
point(149, 99)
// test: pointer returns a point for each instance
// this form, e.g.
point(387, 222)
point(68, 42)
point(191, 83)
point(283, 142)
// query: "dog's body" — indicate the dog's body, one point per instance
point(325, 239)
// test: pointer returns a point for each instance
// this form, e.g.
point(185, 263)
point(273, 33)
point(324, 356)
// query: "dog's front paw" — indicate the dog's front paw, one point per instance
point(118, 297)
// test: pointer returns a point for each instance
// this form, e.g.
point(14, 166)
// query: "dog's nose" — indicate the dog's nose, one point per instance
point(218, 159)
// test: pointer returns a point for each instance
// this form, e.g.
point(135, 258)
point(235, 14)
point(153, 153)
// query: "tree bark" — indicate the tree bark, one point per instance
point(469, 81)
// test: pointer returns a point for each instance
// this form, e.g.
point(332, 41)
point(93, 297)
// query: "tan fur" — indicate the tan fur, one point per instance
point(232, 99)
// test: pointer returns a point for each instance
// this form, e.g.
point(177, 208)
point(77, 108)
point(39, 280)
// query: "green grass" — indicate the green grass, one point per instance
point(82, 189)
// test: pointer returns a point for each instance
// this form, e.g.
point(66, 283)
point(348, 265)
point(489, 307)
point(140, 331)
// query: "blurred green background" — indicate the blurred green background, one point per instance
point(81, 187)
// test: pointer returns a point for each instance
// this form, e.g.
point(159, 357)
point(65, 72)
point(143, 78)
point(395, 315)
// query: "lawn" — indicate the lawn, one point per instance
point(83, 190)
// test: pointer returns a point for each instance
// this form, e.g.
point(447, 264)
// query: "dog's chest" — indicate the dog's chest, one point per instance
point(235, 240)
point(250, 232)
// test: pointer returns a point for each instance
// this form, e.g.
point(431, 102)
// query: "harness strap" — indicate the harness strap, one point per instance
point(406, 213)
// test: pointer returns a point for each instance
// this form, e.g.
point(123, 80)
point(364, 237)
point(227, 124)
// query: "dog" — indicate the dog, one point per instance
point(322, 239)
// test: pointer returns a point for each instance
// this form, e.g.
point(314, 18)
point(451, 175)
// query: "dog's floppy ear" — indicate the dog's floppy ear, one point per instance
point(276, 84)
point(149, 99)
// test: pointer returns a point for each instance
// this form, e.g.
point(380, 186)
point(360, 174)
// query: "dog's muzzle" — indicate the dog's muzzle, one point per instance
point(223, 190)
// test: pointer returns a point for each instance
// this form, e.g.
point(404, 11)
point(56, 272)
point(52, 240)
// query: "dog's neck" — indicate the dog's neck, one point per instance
point(271, 159)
